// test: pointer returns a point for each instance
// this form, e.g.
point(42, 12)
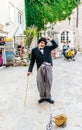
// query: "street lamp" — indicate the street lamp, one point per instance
point(77, 14)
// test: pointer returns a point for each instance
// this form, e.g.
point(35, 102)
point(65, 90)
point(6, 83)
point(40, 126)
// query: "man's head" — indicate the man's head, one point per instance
point(42, 42)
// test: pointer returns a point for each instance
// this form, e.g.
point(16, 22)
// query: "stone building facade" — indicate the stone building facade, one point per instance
point(12, 25)
point(68, 31)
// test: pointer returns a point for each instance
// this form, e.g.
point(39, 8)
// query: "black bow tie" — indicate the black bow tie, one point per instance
point(41, 48)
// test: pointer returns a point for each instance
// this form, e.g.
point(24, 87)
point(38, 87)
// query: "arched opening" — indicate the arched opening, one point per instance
point(66, 36)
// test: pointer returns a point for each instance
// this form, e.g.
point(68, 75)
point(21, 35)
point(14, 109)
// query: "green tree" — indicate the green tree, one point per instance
point(30, 33)
point(40, 12)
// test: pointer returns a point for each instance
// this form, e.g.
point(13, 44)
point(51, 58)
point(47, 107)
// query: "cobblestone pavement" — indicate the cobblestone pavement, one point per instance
point(66, 91)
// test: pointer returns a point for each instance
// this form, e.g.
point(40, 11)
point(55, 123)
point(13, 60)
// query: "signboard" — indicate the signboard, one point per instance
point(9, 44)
point(9, 57)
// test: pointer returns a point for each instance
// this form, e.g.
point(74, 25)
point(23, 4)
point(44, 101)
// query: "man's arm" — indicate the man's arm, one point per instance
point(32, 61)
point(54, 44)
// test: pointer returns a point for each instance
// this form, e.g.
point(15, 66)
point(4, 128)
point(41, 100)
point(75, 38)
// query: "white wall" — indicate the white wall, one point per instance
point(4, 15)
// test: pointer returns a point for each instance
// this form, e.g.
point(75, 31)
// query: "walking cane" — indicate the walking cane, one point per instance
point(25, 99)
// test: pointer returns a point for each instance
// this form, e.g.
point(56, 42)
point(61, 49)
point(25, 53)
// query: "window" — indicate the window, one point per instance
point(11, 13)
point(65, 37)
point(19, 18)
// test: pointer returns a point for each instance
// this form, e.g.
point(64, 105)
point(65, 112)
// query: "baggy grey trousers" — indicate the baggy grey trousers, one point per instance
point(44, 80)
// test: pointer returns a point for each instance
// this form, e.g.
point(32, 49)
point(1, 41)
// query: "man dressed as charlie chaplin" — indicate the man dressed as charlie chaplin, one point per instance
point(42, 56)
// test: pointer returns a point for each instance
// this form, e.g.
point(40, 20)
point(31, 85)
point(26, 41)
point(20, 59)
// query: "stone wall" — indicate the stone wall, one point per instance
point(74, 26)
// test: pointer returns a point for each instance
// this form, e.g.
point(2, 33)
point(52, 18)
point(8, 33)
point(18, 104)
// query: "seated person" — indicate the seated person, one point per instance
point(20, 49)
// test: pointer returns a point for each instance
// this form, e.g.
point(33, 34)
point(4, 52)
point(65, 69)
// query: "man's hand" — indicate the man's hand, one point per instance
point(28, 73)
point(48, 38)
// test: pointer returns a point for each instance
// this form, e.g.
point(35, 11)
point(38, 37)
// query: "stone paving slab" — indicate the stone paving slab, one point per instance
point(66, 91)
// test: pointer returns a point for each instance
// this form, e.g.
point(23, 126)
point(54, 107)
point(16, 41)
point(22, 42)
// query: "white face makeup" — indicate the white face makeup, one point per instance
point(41, 44)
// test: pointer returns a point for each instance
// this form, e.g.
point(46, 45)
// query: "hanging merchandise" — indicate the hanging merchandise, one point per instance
point(9, 51)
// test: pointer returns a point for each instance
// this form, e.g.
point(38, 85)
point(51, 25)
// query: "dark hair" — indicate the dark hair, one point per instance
point(42, 39)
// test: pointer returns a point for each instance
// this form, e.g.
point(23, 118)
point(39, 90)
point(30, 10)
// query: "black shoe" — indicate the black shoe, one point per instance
point(50, 100)
point(41, 100)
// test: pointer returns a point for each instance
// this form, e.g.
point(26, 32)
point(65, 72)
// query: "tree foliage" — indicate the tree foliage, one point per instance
point(40, 12)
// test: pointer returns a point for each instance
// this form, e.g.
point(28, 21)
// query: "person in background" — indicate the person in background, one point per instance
point(2, 42)
point(1, 59)
point(42, 56)
point(65, 48)
point(20, 49)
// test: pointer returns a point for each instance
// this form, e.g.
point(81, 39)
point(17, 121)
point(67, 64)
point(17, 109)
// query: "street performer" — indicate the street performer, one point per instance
point(42, 55)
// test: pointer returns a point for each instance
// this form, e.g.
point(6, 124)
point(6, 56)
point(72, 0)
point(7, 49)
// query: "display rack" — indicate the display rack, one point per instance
point(9, 51)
